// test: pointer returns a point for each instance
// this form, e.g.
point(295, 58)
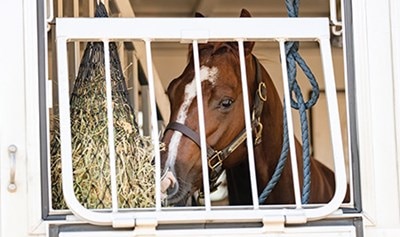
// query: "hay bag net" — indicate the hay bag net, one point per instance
point(90, 151)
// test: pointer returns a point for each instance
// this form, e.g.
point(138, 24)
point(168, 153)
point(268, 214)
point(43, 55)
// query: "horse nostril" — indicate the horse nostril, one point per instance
point(173, 189)
point(169, 184)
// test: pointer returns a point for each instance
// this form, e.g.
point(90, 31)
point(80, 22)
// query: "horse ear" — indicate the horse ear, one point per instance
point(198, 14)
point(248, 46)
point(245, 13)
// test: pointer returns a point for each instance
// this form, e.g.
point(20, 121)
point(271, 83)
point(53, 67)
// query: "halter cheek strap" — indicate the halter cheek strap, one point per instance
point(188, 132)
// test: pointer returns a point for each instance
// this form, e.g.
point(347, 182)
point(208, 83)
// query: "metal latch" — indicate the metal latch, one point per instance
point(12, 150)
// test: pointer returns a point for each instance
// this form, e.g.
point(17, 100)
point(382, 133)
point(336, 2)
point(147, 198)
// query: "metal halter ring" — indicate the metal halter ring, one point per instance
point(258, 128)
point(262, 88)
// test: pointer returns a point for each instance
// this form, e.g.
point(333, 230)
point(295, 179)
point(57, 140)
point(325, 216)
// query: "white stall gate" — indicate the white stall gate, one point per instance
point(371, 49)
point(195, 31)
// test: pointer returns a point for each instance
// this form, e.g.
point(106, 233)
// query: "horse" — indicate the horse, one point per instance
point(224, 127)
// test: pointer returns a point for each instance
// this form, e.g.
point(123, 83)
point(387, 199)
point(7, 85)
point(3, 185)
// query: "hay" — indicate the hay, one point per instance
point(90, 154)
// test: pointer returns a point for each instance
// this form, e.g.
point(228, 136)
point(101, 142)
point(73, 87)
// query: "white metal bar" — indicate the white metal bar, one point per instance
point(49, 13)
point(65, 120)
point(249, 130)
point(333, 17)
point(289, 118)
point(202, 130)
point(66, 147)
point(335, 131)
point(173, 29)
point(154, 123)
point(110, 127)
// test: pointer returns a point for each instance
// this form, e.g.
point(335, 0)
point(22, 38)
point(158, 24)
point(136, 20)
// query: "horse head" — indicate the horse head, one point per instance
point(223, 106)
point(220, 75)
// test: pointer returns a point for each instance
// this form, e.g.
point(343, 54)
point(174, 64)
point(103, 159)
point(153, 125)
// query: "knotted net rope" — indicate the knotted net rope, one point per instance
point(90, 151)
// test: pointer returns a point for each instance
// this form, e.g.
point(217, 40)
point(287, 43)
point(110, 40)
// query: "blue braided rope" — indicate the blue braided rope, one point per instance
point(279, 167)
point(293, 57)
point(292, 7)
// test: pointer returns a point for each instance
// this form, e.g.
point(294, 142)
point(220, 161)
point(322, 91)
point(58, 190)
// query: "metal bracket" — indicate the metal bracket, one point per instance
point(273, 224)
point(145, 227)
point(123, 222)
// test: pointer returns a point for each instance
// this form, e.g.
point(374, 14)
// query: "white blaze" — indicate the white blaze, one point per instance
point(206, 73)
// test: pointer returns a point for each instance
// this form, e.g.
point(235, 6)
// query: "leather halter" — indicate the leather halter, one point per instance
point(216, 157)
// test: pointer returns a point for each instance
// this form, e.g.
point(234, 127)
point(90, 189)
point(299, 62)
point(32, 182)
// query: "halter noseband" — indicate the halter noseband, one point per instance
point(216, 157)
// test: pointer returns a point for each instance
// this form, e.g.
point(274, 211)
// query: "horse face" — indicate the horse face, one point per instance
point(223, 113)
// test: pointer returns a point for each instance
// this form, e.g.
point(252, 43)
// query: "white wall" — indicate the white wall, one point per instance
point(16, 38)
point(375, 65)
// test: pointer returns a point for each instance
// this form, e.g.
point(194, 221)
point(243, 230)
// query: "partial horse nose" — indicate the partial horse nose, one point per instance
point(169, 185)
point(173, 189)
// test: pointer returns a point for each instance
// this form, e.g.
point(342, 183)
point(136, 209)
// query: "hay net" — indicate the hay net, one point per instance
point(90, 151)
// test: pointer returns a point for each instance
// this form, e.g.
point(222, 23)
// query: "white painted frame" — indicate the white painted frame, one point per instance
point(197, 30)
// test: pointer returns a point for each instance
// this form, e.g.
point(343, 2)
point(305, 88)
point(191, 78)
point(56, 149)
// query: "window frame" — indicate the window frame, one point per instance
point(43, 92)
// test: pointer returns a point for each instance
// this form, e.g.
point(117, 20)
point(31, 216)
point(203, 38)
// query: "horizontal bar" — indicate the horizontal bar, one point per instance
point(172, 29)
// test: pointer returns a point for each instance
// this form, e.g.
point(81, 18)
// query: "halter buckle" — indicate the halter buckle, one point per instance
point(217, 163)
point(163, 147)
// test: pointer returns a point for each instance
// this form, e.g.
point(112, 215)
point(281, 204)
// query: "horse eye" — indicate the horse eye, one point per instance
point(226, 103)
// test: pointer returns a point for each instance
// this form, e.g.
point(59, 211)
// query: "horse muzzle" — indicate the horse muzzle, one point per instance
point(169, 185)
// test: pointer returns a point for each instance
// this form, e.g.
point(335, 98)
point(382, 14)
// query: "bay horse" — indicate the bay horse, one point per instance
point(224, 123)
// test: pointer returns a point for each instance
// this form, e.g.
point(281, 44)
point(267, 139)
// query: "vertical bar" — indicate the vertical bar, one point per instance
point(334, 18)
point(110, 126)
point(289, 118)
point(249, 130)
point(154, 123)
point(334, 119)
point(49, 12)
point(65, 120)
point(202, 130)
